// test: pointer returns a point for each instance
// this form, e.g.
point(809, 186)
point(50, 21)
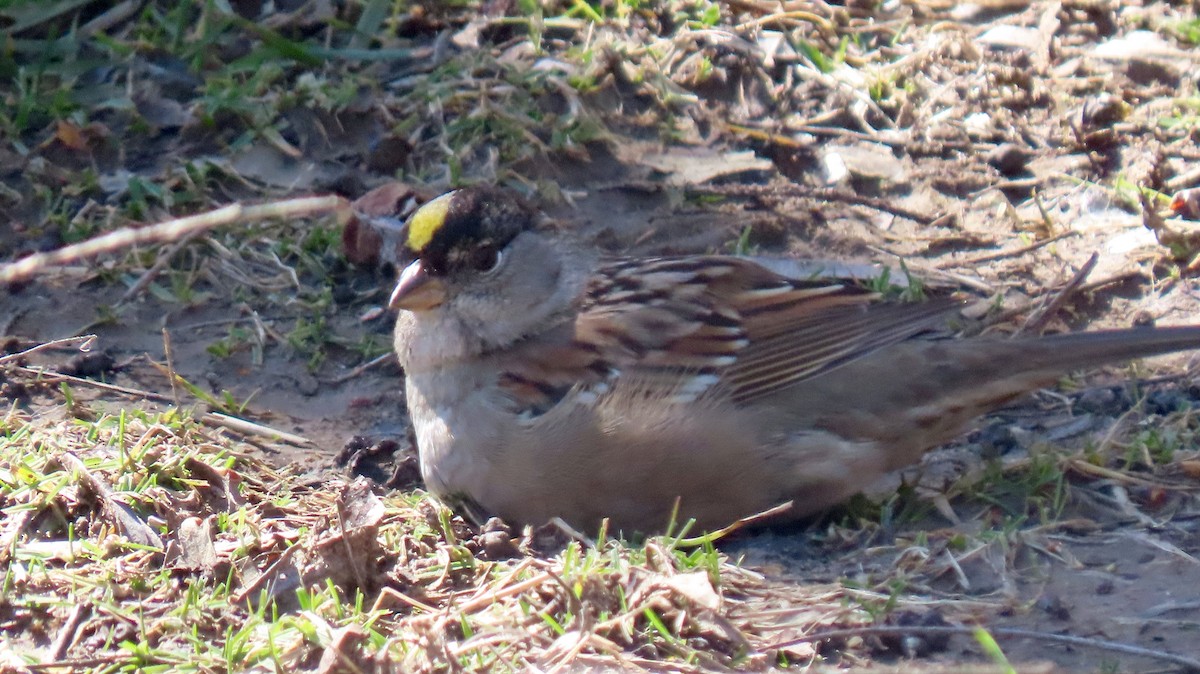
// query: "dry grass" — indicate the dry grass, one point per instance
point(150, 541)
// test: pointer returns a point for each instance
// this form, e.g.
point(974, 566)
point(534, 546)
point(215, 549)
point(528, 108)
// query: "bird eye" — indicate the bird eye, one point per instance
point(485, 258)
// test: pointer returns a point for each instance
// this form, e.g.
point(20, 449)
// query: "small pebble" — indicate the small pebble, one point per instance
point(1166, 401)
point(1009, 159)
point(1103, 401)
point(1053, 605)
point(307, 384)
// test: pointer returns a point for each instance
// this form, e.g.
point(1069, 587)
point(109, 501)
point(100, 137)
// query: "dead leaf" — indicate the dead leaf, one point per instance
point(372, 234)
point(192, 549)
point(71, 136)
point(696, 587)
point(694, 166)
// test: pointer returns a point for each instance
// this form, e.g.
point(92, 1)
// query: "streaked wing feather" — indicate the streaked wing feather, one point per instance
point(814, 343)
point(674, 328)
point(539, 372)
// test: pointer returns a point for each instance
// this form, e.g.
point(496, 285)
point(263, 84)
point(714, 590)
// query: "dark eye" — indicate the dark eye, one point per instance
point(485, 258)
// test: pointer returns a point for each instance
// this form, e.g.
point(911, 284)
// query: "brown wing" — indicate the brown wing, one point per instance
point(679, 327)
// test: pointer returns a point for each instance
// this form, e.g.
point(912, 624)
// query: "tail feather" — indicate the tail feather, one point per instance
point(944, 384)
point(1085, 349)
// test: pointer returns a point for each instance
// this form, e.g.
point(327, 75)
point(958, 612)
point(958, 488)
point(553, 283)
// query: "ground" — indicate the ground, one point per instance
point(180, 495)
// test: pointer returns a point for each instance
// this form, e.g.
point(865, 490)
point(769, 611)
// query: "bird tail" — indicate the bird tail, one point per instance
point(1084, 349)
point(952, 381)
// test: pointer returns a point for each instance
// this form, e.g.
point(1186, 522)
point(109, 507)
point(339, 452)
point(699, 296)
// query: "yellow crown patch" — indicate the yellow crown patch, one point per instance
point(427, 221)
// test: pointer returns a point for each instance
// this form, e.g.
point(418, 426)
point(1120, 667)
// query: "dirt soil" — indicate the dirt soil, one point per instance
point(1005, 146)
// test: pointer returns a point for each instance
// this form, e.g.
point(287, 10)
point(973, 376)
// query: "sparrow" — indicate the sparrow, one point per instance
point(544, 379)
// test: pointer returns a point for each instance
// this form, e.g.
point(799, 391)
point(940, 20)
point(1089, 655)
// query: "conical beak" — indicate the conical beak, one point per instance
point(417, 290)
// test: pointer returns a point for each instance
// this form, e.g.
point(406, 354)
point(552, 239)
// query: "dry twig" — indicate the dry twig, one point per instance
point(1039, 320)
point(172, 230)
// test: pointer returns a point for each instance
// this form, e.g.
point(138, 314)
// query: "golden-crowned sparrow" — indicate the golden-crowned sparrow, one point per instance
point(546, 380)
